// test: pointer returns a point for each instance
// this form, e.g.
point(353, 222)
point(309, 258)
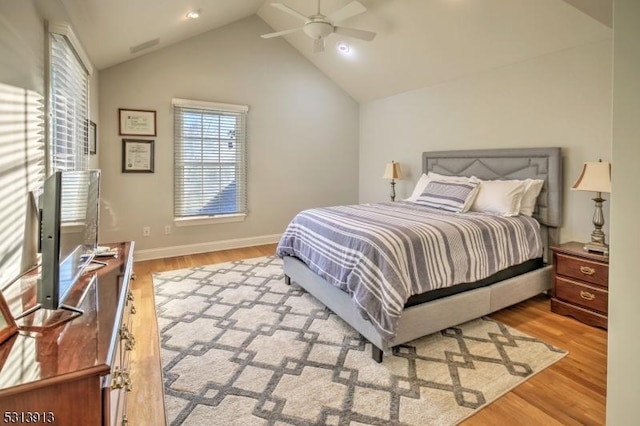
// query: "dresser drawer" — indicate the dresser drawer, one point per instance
point(582, 269)
point(584, 315)
point(582, 295)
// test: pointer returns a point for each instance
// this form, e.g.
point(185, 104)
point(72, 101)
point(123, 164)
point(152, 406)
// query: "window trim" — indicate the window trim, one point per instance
point(214, 107)
point(178, 102)
point(209, 220)
point(64, 29)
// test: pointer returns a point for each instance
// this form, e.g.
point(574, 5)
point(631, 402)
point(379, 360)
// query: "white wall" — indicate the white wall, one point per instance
point(21, 84)
point(561, 99)
point(22, 45)
point(302, 135)
point(22, 99)
point(623, 380)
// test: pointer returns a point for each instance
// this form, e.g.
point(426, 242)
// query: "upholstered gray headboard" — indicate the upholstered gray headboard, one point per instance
point(535, 163)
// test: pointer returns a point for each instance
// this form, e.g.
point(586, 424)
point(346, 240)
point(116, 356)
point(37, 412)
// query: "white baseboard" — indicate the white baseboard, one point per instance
point(164, 252)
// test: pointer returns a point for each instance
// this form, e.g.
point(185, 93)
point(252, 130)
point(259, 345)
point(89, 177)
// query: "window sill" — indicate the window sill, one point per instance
point(208, 220)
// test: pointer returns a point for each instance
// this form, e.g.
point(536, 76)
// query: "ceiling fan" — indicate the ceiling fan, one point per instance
point(319, 26)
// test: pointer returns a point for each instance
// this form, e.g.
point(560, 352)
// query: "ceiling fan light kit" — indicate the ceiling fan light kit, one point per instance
point(317, 30)
point(320, 26)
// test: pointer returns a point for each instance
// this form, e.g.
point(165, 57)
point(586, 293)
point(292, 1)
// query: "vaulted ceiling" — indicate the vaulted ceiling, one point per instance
point(419, 42)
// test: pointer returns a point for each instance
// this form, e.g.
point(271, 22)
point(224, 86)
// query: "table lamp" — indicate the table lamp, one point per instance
point(596, 177)
point(393, 172)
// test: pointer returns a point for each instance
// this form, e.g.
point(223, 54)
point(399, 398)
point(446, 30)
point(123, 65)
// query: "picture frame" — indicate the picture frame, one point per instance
point(93, 141)
point(8, 325)
point(137, 122)
point(137, 156)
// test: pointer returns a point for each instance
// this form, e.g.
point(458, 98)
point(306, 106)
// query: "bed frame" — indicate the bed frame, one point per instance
point(421, 320)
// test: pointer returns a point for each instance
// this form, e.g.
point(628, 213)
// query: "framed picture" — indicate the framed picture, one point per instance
point(137, 156)
point(7, 324)
point(92, 138)
point(137, 122)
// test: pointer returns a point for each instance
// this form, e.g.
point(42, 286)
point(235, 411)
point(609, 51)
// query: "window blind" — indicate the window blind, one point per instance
point(68, 119)
point(210, 159)
point(68, 108)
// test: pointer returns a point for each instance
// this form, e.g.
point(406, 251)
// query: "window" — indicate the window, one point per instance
point(68, 104)
point(210, 160)
point(68, 147)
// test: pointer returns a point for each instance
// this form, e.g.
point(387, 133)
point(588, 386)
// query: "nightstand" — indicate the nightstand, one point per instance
point(581, 284)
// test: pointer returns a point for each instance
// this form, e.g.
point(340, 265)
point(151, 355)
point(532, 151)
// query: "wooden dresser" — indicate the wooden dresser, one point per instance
point(581, 284)
point(75, 373)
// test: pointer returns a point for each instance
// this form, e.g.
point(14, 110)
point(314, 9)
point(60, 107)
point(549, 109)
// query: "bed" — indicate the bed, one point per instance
point(424, 314)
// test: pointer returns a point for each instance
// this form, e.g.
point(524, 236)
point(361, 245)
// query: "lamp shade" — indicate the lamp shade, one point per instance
point(392, 171)
point(595, 177)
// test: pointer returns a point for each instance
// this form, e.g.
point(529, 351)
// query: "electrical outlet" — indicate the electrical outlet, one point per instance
point(167, 229)
point(146, 231)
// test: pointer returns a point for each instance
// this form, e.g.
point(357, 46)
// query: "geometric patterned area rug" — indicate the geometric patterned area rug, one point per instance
point(240, 347)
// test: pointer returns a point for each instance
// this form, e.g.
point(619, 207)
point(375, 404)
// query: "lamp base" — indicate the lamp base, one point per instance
point(597, 247)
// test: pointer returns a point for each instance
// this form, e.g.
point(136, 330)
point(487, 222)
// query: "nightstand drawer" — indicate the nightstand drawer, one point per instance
point(582, 269)
point(582, 295)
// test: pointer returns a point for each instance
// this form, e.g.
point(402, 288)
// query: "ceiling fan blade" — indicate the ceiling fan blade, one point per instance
point(280, 33)
point(355, 33)
point(290, 11)
point(352, 9)
point(318, 45)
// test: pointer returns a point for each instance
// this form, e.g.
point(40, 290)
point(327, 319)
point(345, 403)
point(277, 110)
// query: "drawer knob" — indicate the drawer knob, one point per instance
point(587, 296)
point(587, 270)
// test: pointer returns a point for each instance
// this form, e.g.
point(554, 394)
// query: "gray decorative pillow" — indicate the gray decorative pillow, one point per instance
point(447, 195)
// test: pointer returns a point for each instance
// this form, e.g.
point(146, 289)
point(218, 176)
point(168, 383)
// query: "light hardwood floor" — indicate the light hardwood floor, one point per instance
point(570, 392)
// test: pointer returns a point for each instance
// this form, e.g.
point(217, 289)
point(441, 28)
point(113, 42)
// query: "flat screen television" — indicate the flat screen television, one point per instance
point(69, 209)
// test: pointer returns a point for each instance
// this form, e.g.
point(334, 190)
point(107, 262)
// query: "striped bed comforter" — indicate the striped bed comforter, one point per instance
point(383, 253)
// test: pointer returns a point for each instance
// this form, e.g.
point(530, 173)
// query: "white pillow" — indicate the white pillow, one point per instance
point(438, 176)
point(501, 197)
point(419, 188)
point(531, 191)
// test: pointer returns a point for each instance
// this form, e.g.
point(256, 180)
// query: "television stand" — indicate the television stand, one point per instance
point(38, 318)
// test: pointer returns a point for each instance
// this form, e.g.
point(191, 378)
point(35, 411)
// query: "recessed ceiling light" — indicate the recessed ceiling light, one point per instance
point(344, 48)
point(193, 14)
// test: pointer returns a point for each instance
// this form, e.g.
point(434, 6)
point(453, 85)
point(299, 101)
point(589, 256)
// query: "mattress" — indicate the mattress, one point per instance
point(505, 274)
point(381, 254)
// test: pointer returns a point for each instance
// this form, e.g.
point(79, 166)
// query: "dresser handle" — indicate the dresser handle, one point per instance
point(587, 270)
point(125, 334)
point(586, 295)
point(121, 380)
point(128, 386)
point(130, 343)
point(117, 379)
